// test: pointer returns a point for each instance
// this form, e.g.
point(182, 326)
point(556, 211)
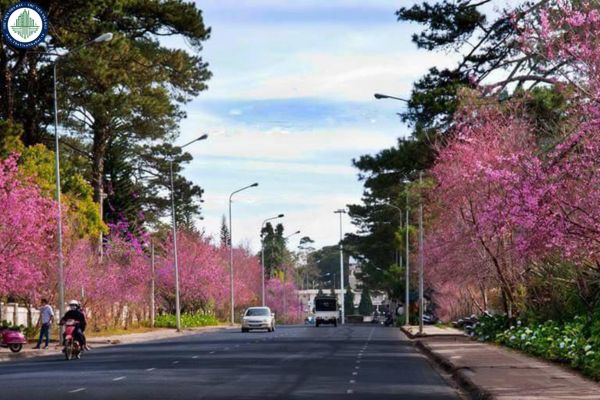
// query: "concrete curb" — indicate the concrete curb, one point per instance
point(98, 342)
point(459, 375)
point(428, 335)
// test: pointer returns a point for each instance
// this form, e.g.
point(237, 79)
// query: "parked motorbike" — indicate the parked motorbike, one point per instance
point(389, 321)
point(72, 348)
point(13, 339)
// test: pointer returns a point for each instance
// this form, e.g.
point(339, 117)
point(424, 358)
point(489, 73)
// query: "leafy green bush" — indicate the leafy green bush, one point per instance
point(576, 342)
point(9, 325)
point(187, 320)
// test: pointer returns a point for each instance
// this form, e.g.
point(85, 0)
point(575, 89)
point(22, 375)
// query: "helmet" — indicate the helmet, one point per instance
point(74, 303)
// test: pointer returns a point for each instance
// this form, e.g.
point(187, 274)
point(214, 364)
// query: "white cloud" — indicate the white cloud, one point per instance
point(276, 144)
point(319, 222)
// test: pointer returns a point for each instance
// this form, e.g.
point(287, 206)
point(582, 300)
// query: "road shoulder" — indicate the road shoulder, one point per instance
point(487, 371)
point(113, 340)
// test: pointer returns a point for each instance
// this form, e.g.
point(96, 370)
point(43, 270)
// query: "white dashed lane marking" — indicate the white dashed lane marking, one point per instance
point(77, 390)
point(175, 362)
point(119, 378)
point(150, 369)
point(194, 357)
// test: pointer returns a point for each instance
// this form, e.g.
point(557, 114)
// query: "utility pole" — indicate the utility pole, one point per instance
point(421, 260)
point(407, 288)
point(340, 212)
point(231, 288)
point(152, 295)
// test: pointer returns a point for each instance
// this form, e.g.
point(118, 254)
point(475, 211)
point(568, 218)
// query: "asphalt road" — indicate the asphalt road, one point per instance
point(296, 362)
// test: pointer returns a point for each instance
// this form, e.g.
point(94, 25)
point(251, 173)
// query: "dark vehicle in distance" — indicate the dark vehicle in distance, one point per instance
point(326, 310)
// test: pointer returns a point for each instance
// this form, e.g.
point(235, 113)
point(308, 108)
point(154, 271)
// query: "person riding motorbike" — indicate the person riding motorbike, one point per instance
point(76, 314)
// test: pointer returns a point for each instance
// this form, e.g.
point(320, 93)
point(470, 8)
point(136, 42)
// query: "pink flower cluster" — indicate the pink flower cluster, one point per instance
point(505, 199)
point(121, 279)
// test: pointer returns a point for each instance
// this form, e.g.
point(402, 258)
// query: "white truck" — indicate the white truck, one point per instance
point(326, 311)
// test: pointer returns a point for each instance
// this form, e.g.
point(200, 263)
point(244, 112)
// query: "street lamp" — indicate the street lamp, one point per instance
point(61, 271)
point(340, 212)
point(284, 276)
point(231, 248)
point(380, 96)
point(421, 258)
point(407, 262)
point(398, 256)
point(262, 255)
point(293, 234)
point(174, 226)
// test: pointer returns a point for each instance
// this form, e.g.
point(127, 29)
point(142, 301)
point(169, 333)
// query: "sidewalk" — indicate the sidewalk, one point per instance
point(488, 371)
point(104, 341)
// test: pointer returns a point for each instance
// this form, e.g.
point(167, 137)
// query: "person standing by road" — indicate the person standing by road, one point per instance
point(46, 318)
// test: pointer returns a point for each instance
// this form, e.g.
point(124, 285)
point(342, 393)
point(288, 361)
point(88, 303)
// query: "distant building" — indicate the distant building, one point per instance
point(307, 296)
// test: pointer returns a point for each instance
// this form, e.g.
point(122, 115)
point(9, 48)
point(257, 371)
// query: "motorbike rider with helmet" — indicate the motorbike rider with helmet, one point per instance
point(76, 314)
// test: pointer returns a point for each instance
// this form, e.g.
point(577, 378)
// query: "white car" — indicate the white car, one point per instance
point(258, 318)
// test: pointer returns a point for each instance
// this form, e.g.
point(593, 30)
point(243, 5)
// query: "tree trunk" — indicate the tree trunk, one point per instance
point(5, 83)
point(31, 133)
point(99, 148)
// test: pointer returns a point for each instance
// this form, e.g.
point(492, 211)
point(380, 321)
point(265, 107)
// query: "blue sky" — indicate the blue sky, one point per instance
point(291, 104)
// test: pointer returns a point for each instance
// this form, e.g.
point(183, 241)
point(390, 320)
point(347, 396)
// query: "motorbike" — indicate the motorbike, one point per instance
point(72, 348)
point(13, 339)
point(389, 321)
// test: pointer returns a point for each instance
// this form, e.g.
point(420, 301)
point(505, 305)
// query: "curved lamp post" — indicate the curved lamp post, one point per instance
point(174, 227)
point(341, 212)
point(61, 271)
point(231, 250)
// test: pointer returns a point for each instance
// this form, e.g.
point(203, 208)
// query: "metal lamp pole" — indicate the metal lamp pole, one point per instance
point(398, 255)
point(421, 259)
point(407, 293)
point(340, 212)
point(380, 96)
point(231, 251)
point(262, 255)
point(174, 227)
point(61, 271)
point(284, 277)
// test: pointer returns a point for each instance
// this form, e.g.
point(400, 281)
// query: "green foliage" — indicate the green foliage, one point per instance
point(575, 342)
point(349, 301)
point(9, 325)
point(187, 320)
point(37, 163)
point(365, 307)
point(137, 77)
point(276, 252)
point(224, 236)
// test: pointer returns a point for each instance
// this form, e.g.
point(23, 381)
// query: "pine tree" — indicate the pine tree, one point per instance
point(365, 307)
point(224, 235)
point(349, 301)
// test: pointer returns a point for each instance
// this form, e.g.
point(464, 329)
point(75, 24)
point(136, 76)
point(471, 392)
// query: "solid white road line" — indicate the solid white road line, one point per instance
point(77, 390)
point(119, 378)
